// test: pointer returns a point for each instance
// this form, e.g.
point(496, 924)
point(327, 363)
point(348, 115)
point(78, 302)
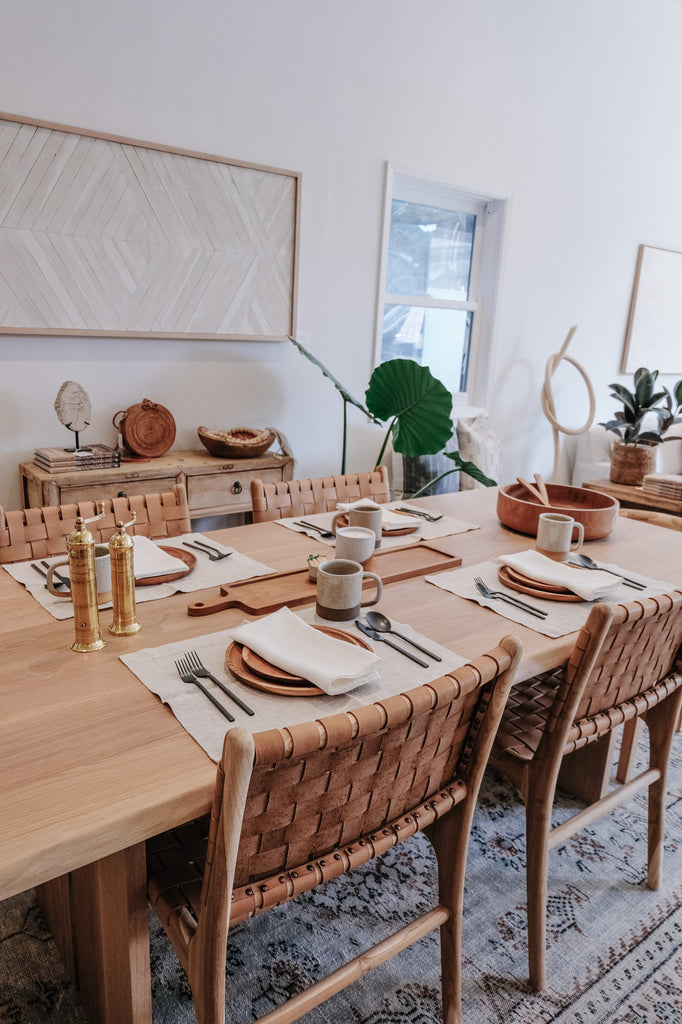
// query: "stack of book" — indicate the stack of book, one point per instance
point(61, 460)
point(666, 485)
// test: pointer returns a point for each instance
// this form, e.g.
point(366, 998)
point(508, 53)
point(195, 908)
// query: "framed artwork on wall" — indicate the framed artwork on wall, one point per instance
point(654, 331)
point(112, 237)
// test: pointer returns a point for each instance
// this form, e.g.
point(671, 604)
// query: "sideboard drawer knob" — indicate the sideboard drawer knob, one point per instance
point(236, 487)
point(121, 494)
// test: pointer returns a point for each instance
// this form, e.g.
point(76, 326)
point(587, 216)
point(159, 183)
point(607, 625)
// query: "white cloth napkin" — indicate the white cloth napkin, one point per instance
point(287, 642)
point(150, 560)
point(591, 585)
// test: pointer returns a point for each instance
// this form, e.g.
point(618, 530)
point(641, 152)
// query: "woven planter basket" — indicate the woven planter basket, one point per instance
point(630, 463)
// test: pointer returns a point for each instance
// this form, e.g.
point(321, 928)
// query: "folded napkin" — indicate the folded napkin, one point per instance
point(591, 585)
point(150, 560)
point(287, 642)
point(390, 520)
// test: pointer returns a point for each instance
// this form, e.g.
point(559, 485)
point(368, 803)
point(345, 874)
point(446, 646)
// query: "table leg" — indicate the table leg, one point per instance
point(98, 917)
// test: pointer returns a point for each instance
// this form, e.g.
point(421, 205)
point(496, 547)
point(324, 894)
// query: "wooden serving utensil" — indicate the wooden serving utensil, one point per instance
point(542, 489)
point(532, 489)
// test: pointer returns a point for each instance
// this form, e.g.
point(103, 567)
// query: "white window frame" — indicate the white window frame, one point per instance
point(485, 266)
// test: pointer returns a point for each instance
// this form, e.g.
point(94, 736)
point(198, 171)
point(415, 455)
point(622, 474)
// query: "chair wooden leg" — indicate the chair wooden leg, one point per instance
point(662, 723)
point(632, 731)
point(450, 839)
point(538, 824)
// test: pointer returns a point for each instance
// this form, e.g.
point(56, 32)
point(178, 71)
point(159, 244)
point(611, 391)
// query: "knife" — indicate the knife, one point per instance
point(373, 635)
point(44, 575)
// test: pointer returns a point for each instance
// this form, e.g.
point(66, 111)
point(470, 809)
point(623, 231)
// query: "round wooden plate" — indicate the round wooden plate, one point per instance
point(187, 557)
point(519, 577)
point(535, 590)
point(343, 521)
point(279, 681)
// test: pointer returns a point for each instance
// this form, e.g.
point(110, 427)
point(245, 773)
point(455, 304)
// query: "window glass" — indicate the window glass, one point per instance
point(433, 337)
point(429, 251)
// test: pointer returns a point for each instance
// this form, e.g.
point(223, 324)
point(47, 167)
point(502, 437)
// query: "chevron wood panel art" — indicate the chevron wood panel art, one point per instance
point(112, 237)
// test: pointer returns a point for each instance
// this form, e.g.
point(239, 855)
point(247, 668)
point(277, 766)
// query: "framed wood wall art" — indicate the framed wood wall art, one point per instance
point(654, 331)
point(112, 237)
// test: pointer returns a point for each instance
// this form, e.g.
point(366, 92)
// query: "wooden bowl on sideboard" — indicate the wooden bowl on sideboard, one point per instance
point(518, 510)
point(237, 443)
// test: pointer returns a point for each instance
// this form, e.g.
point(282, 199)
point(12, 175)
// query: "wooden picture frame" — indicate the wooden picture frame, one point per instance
point(106, 236)
point(654, 331)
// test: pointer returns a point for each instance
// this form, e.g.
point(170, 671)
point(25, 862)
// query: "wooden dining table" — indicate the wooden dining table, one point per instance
point(92, 763)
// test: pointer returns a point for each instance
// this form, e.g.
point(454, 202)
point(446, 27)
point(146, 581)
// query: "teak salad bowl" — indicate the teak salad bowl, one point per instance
point(519, 510)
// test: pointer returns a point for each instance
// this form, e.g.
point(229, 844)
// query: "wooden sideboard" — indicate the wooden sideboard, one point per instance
point(214, 486)
point(635, 497)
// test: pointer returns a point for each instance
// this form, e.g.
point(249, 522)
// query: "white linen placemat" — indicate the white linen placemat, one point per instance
point(205, 574)
point(445, 527)
point(155, 668)
point(563, 616)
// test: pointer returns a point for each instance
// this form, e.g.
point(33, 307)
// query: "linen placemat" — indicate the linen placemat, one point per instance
point(563, 616)
point(155, 668)
point(445, 527)
point(205, 574)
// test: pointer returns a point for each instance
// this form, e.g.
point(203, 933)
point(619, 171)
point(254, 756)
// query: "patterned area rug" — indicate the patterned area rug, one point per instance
point(615, 953)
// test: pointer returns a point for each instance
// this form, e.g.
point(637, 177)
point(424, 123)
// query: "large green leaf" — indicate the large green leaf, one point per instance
point(346, 395)
point(418, 404)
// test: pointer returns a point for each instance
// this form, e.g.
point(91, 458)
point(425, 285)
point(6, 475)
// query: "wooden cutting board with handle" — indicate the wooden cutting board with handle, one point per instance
point(264, 594)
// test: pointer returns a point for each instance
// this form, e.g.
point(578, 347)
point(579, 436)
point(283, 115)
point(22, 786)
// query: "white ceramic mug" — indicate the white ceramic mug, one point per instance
point(367, 516)
point(102, 572)
point(356, 543)
point(555, 535)
point(339, 590)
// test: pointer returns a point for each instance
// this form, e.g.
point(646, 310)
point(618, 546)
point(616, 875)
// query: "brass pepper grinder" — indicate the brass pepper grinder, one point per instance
point(81, 548)
point(123, 582)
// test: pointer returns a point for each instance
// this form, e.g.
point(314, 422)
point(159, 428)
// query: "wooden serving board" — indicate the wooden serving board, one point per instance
point(265, 594)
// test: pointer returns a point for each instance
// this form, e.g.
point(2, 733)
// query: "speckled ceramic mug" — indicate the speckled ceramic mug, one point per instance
point(339, 590)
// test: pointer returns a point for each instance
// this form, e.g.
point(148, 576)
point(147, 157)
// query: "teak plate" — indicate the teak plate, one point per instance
point(271, 679)
point(535, 589)
point(187, 557)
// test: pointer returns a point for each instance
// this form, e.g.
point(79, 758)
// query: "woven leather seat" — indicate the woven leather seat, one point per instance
point(625, 666)
point(286, 498)
point(41, 532)
point(296, 807)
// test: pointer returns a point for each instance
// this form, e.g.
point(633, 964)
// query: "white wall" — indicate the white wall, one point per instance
point(570, 110)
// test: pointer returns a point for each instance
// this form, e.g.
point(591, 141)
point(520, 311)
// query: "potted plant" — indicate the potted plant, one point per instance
point(634, 453)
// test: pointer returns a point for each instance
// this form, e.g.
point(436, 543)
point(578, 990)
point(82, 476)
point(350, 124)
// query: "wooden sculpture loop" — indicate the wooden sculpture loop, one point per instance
point(548, 406)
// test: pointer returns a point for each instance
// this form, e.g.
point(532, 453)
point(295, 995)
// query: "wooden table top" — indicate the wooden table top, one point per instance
point(91, 762)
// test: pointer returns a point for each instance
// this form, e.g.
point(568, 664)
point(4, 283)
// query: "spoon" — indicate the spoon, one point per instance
point(589, 563)
point(382, 624)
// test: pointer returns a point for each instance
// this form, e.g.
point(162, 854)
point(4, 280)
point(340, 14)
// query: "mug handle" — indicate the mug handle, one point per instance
point(379, 585)
point(333, 526)
point(581, 536)
point(50, 584)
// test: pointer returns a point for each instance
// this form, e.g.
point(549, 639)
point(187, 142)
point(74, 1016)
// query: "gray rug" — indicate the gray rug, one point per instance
point(615, 952)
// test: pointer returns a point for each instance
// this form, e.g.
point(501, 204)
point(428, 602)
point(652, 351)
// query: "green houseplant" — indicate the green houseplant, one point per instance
point(414, 403)
point(634, 453)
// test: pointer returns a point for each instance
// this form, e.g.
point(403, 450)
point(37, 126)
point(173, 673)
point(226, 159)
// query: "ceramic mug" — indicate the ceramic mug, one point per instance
point(368, 516)
point(339, 589)
point(555, 535)
point(102, 572)
point(356, 543)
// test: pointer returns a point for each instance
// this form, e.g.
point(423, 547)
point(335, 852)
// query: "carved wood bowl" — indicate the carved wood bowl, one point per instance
point(520, 511)
point(237, 443)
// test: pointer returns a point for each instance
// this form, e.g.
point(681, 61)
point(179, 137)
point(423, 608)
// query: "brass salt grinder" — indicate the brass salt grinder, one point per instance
point(123, 581)
point(81, 549)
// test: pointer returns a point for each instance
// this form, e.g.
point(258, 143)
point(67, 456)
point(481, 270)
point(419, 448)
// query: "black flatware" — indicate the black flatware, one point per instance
point(373, 635)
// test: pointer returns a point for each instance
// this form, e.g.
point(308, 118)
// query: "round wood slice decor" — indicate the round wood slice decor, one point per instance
point(147, 429)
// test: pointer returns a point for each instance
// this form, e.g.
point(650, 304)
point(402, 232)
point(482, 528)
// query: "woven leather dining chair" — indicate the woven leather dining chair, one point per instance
point(286, 498)
point(41, 532)
point(644, 515)
point(296, 807)
point(625, 664)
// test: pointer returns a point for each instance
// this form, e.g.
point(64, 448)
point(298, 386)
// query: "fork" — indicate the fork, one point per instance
point(204, 549)
point(327, 534)
point(418, 512)
point(487, 592)
point(187, 676)
point(196, 666)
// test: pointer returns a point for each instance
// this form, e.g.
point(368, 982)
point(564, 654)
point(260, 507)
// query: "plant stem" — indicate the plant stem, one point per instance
point(345, 427)
point(383, 447)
